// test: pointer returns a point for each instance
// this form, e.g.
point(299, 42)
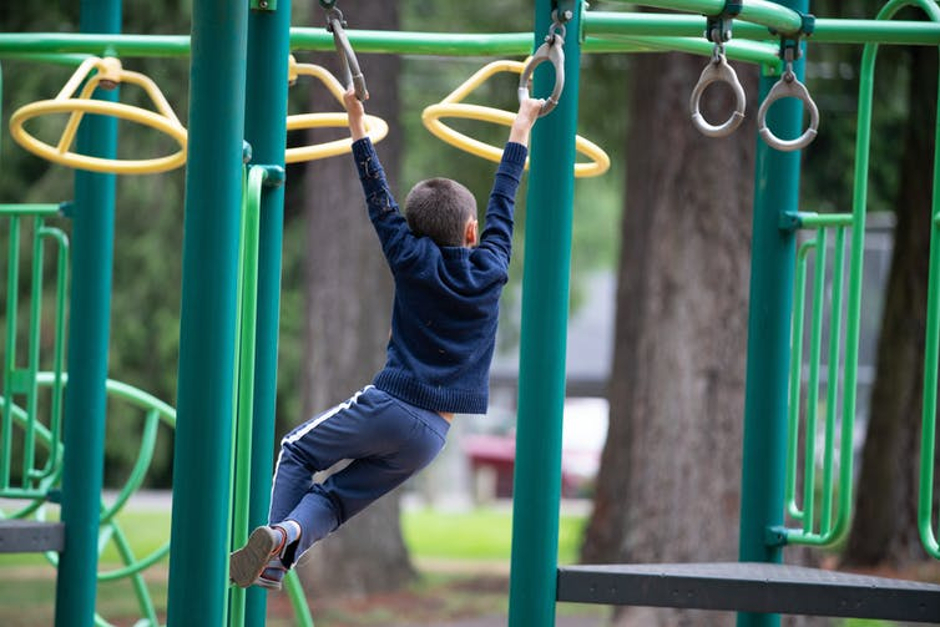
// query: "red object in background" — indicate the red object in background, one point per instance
point(497, 453)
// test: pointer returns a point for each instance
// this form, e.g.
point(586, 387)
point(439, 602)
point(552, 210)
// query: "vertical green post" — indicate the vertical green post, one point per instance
point(537, 481)
point(768, 353)
point(266, 131)
point(90, 326)
point(202, 462)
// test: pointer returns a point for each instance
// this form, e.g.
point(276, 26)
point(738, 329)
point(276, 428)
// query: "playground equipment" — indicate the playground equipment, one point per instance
point(377, 127)
point(552, 50)
point(229, 294)
point(452, 106)
point(106, 73)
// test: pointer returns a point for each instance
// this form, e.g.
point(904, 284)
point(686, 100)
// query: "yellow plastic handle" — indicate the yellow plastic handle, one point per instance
point(452, 107)
point(376, 127)
point(108, 73)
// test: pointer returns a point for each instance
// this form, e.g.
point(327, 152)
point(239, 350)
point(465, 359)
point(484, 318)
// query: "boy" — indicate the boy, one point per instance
point(448, 279)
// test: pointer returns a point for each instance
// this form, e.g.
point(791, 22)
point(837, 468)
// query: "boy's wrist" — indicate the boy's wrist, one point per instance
point(357, 128)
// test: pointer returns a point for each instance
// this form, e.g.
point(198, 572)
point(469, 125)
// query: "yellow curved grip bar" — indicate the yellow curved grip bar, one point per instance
point(376, 127)
point(452, 107)
point(108, 74)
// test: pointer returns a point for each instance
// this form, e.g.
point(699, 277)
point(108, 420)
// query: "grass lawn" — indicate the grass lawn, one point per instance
point(481, 534)
point(463, 557)
point(474, 540)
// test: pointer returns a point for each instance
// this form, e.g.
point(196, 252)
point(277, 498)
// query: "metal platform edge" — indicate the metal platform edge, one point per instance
point(31, 536)
point(751, 587)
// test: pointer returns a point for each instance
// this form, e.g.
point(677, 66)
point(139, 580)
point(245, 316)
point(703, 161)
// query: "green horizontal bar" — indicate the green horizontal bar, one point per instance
point(735, 50)
point(768, 14)
point(598, 26)
point(31, 209)
point(63, 58)
point(599, 45)
point(810, 220)
point(828, 30)
point(96, 44)
point(905, 32)
point(403, 42)
point(55, 46)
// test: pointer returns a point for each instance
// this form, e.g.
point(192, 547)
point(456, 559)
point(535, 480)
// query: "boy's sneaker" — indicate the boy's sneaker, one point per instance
point(272, 575)
point(248, 563)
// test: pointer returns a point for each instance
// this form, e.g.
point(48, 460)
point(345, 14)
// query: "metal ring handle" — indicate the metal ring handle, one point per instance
point(552, 50)
point(718, 71)
point(347, 56)
point(789, 86)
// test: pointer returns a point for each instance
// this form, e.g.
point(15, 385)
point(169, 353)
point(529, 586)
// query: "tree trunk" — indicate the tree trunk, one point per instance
point(884, 529)
point(349, 289)
point(669, 481)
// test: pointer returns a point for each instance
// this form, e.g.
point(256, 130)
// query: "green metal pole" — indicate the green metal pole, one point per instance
point(776, 193)
point(245, 372)
point(202, 462)
point(265, 130)
point(90, 306)
point(537, 481)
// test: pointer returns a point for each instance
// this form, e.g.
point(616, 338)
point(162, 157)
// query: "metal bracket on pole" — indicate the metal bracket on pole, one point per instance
point(776, 536)
point(274, 175)
point(564, 9)
point(718, 27)
point(263, 5)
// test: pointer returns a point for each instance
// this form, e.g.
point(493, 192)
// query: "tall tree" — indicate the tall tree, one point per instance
point(669, 478)
point(884, 528)
point(348, 293)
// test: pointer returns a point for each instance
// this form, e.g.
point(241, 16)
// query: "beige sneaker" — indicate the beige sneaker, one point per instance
point(247, 563)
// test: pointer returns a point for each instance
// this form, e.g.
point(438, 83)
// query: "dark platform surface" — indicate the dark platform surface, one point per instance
point(751, 587)
point(31, 536)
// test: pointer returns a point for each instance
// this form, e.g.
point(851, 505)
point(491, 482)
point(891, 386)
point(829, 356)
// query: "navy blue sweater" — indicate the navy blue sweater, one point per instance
point(446, 298)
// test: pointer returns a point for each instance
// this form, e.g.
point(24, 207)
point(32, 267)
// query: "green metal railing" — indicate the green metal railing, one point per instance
point(19, 378)
point(44, 437)
point(832, 521)
point(925, 511)
point(256, 178)
point(156, 413)
point(926, 517)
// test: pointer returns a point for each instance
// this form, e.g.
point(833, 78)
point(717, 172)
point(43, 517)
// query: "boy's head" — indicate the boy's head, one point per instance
point(443, 210)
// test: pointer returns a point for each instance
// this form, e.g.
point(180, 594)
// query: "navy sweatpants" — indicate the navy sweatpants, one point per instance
point(387, 440)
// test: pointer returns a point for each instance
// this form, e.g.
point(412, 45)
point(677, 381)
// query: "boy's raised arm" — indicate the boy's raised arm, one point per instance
point(529, 110)
point(356, 113)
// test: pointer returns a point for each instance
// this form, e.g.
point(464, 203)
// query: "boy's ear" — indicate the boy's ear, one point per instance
point(470, 233)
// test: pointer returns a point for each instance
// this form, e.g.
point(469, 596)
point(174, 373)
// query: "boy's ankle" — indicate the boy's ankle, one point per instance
point(291, 530)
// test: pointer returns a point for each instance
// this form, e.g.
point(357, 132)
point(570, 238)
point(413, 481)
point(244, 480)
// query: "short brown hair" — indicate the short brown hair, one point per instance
point(439, 208)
